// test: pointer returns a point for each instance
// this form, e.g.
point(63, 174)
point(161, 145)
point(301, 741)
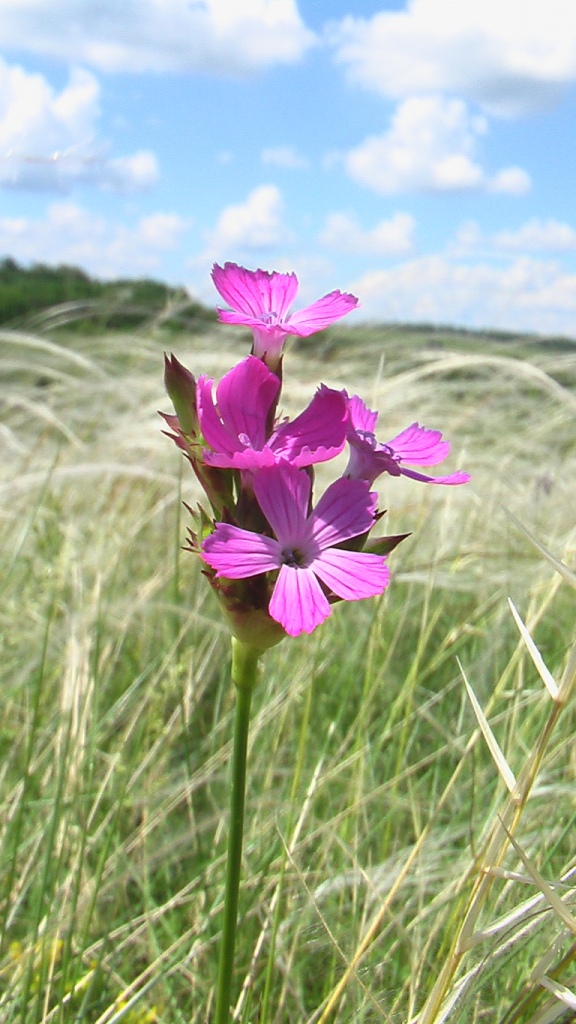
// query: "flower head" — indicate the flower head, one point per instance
point(416, 444)
point(261, 299)
point(235, 426)
point(276, 562)
point(305, 550)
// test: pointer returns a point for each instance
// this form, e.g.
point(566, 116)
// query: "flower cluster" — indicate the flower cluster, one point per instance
point(276, 561)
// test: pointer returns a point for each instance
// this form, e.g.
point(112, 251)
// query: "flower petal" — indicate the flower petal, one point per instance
point(345, 510)
point(230, 316)
point(361, 417)
point(368, 460)
point(317, 434)
point(213, 430)
point(419, 445)
point(453, 478)
point(254, 292)
point(321, 313)
point(298, 602)
point(352, 575)
point(245, 395)
point(248, 458)
point(237, 553)
point(280, 291)
point(283, 493)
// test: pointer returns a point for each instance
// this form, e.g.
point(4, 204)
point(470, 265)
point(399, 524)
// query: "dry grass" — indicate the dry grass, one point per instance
point(409, 857)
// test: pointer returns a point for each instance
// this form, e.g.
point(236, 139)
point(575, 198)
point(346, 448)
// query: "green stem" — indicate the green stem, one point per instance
point(287, 849)
point(244, 670)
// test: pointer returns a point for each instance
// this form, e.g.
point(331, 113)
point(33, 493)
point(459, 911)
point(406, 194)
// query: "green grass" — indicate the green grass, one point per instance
point(380, 882)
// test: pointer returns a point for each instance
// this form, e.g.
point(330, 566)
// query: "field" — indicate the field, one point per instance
point(407, 858)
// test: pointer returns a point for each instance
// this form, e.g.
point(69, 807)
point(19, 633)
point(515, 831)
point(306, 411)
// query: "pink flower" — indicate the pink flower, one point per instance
point(416, 444)
point(305, 547)
point(236, 425)
point(261, 300)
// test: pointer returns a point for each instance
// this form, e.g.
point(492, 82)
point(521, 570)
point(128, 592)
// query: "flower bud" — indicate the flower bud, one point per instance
point(181, 387)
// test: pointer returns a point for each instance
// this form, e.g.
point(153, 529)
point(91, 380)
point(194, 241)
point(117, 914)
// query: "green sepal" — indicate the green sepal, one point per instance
point(384, 545)
point(181, 387)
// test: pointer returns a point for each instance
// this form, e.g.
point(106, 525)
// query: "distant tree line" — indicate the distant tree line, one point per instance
point(61, 296)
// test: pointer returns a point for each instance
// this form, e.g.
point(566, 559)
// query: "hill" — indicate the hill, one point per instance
point(45, 296)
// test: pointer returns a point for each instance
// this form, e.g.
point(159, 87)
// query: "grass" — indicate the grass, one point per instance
point(396, 869)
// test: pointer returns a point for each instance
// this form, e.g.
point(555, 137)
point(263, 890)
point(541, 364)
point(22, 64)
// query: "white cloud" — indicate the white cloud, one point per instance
point(394, 237)
point(161, 231)
point(36, 123)
point(511, 56)
point(284, 156)
point(512, 180)
point(213, 36)
point(526, 295)
point(130, 173)
point(70, 234)
point(253, 226)
point(430, 146)
point(48, 139)
point(534, 236)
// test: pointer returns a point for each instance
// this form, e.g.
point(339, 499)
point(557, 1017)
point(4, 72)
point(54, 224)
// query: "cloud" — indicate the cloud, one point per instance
point(392, 237)
point(212, 36)
point(48, 139)
point(534, 236)
point(284, 156)
point(430, 146)
point(37, 124)
point(513, 180)
point(76, 236)
point(160, 231)
point(510, 56)
point(525, 295)
point(253, 226)
point(130, 173)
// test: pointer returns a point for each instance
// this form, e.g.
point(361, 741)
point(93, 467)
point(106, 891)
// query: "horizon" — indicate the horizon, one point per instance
point(358, 323)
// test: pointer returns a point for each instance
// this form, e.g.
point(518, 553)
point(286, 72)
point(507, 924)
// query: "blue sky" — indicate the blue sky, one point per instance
point(419, 153)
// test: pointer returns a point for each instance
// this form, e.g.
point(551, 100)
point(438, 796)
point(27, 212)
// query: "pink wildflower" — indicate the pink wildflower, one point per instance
point(305, 548)
point(260, 299)
point(236, 425)
point(416, 444)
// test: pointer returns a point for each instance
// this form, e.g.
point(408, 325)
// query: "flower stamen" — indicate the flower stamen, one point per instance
point(293, 557)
